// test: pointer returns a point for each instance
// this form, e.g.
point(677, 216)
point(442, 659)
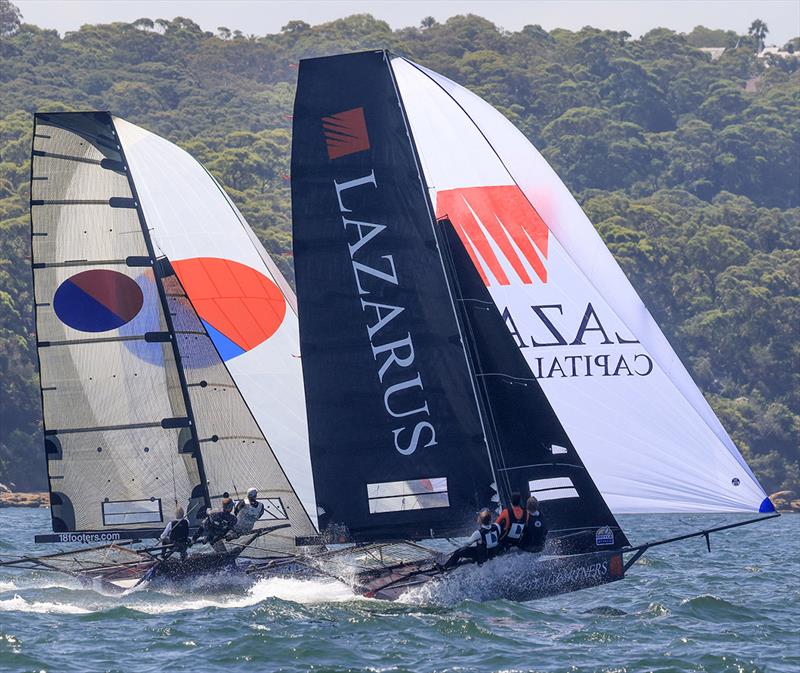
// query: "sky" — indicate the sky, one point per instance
point(260, 17)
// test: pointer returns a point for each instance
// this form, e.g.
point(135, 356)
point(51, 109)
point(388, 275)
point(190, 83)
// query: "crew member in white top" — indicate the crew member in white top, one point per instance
point(248, 510)
point(483, 545)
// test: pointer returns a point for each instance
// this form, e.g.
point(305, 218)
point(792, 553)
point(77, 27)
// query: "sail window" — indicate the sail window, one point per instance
point(273, 509)
point(554, 488)
point(555, 449)
point(401, 496)
point(123, 512)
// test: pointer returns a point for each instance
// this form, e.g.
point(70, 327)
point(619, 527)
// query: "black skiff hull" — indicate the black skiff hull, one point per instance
point(119, 580)
point(542, 576)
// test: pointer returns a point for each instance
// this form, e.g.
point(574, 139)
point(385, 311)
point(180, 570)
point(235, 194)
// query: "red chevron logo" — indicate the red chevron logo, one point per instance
point(501, 231)
point(345, 133)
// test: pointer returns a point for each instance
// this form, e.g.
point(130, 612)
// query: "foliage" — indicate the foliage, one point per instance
point(758, 32)
point(691, 175)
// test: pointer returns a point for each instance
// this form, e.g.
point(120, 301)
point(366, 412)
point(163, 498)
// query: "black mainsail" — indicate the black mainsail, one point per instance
point(396, 440)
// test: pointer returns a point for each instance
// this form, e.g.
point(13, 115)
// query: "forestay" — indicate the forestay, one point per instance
point(640, 424)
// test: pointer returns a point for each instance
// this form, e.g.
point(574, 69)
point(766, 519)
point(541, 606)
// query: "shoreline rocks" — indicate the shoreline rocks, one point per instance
point(785, 501)
point(30, 499)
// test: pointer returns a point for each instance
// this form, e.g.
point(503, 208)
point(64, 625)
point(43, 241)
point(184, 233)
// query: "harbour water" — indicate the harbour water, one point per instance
point(680, 609)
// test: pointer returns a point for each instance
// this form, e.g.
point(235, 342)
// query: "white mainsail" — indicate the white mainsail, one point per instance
point(642, 427)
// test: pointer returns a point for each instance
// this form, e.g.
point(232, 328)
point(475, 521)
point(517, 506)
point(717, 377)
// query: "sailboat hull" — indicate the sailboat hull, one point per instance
point(516, 579)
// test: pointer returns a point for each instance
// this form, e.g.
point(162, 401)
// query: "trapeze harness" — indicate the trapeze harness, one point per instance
point(535, 532)
point(490, 538)
point(516, 527)
point(177, 534)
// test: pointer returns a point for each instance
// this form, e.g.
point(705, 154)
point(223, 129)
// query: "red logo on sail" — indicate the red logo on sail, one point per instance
point(501, 231)
point(345, 133)
point(239, 306)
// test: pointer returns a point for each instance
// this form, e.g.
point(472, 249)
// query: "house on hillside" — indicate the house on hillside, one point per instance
point(774, 50)
point(713, 52)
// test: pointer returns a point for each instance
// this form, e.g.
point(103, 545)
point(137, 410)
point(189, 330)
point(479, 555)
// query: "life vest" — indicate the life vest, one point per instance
point(516, 525)
point(218, 523)
point(535, 531)
point(178, 531)
point(248, 515)
point(490, 536)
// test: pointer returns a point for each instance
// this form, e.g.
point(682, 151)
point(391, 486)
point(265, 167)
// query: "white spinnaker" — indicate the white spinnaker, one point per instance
point(191, 217)
point(647, 436)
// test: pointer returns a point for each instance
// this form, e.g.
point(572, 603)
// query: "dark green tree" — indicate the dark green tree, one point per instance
point(758, 31)
point(10, 18)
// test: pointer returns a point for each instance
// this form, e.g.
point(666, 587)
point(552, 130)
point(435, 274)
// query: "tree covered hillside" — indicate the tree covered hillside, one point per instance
point(689, 168)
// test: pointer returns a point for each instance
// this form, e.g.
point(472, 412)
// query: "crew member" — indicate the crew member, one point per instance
point(484, 543)
point(247, 511)
point(533, 537)
point(175, 537)
point(217, 524)
point(512, 521)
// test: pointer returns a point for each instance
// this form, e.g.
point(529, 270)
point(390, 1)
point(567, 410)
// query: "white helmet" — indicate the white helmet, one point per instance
point(252, 492)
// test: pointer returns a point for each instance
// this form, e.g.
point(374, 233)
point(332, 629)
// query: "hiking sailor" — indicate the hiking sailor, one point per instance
point(248, 511)
point(512, 521)
point(535, 529)
point(175, 537)
point(483, 545)
point(217, 524)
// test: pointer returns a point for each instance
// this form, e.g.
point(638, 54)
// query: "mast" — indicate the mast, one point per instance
point(235, 330)
point(477, 374)
point(482, 414)
point(192, 425)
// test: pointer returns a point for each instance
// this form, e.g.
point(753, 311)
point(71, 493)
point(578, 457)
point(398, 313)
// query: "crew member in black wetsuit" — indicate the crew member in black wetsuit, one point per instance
point(175, 537)
point(535, 527)
point(512, 522)
point(216, 526)
point(484, 543)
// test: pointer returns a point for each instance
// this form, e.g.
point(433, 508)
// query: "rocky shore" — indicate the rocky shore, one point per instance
point(786, 501)
point(32, 499)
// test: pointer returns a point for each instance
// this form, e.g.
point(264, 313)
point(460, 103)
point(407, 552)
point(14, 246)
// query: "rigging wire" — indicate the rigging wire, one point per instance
point(500, 473)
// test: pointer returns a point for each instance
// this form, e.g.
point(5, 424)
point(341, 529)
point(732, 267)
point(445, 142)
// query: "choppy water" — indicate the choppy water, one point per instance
point(681, 609)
